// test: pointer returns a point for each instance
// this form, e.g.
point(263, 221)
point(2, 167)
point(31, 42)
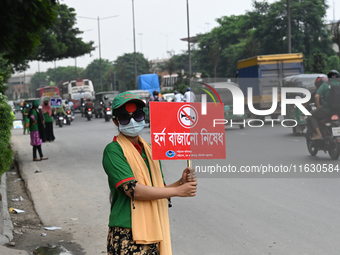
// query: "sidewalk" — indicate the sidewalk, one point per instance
point(6, 226)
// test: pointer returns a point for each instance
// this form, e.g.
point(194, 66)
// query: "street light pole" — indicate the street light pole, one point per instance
point(188, 39)
point(100, 58)
point(289, 28)
point(134, 39)
point(141, 48)
point(100, 54)
point(166, 40)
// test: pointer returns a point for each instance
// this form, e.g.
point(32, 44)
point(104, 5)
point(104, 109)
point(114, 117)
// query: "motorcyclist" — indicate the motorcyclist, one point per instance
point(60, 111)
point(67, 107)
point(88, 105)
point(71, 104)
point(322, 111)
point(189, 96)
point(106, 102)
point(178, 97)
point(155, 97)
point(318, 81)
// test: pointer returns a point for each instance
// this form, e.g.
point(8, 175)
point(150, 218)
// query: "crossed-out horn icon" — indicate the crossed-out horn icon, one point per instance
point(184, 116)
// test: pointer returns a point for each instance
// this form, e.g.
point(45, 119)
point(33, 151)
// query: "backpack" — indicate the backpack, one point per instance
point(334, 97)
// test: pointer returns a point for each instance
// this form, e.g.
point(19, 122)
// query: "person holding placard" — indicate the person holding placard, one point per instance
point(139, 221)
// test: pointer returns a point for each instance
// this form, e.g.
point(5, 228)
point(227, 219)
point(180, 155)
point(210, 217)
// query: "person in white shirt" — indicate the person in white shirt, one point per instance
point(189, 96)
point(178, 97)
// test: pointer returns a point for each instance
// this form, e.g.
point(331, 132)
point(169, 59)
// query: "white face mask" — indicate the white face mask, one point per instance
point(132, 129)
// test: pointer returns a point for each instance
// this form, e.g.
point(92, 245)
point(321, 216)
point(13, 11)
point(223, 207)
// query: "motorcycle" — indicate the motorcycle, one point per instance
point(330, 130)
point(60, 119)
point(89, 113)
point(107, 114)
point(68, 117)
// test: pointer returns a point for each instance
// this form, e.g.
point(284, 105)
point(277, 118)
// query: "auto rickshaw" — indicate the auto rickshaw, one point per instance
point(305, 81)
point(229, 116)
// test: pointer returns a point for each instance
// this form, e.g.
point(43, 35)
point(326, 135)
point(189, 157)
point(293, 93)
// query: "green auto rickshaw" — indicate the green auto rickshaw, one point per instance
point(305, 81)
point(229, 116)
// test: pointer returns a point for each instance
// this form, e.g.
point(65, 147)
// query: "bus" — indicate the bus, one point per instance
point(48, 91)
point(75, 90)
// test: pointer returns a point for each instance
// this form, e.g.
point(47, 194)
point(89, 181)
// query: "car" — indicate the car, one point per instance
point(168, 97)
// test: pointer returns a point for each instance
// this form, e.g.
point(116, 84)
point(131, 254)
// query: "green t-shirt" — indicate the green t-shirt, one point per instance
point(324, 90)
point(48, 118)
point(119, 172)
point(34, 127)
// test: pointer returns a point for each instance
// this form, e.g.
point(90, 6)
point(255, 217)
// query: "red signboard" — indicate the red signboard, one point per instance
point(180, 132)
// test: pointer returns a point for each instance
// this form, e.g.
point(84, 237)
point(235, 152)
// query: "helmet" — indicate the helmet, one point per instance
point(175, 92)
point(188, 89)
point(155, 92)
point(319, 80)
point(66, 102)
point(333, 73)
point(87, 99)
point(106, 97)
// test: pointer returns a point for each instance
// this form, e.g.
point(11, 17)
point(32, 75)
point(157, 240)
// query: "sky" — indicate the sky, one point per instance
point(159, 26)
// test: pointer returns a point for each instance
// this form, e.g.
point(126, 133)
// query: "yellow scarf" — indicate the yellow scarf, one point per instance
point(149, 219)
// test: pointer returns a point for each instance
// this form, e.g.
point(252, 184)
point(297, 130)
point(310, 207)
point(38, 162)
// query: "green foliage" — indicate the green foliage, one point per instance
point(262, 31)
point(333, 63)
point(125, 70)
point(39, 79)
point(61, 74)
point(92, 72)
point(318, 63)
point(5, 73)
point(6, 122)
point(54, 76)
point(109, 78)
point(5, 157)
point(170, 64)
point(61, 41)
point(182, 83)
point(21, 25)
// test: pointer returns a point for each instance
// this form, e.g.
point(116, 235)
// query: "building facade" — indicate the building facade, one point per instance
point(18, 86)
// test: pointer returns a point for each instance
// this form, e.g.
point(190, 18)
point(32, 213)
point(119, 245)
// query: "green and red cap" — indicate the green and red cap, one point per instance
point(124, 98)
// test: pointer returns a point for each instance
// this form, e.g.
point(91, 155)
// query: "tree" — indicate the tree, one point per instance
point(61, 41)
point(5, 74)
point(125, 70)
point(263, 31)
point(318, 64)
point(92, 72)
point(307, 26)
point(57, 76)
point(109, 79)
point(39, 79)
point(169, 64)
point(21, 25)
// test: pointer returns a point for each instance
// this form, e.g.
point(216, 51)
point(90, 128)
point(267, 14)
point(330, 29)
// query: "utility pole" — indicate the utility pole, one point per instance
point(134, 40)
point(100, 54)
point(188, 39)
point(289, 28)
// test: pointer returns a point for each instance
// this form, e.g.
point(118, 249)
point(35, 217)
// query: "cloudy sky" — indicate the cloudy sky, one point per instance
point(159, 24)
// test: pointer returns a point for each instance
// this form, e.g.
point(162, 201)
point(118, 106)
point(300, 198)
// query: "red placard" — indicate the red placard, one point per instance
point(180, 132)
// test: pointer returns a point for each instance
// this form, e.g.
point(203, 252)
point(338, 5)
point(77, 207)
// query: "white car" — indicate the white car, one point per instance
point(169, 97)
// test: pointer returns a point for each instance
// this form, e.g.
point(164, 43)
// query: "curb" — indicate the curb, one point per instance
point(6, 234)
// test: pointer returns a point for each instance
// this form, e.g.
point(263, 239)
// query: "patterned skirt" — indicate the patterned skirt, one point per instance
point(120, 242)
point(35, 138)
